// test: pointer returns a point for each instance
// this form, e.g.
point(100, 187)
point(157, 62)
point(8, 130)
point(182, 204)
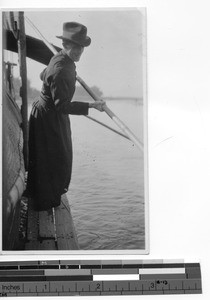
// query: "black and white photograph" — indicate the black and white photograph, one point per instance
point(74, 131)
point(105, 148)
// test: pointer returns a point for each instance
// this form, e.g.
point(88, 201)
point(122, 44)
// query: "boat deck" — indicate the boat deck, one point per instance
point(52, 229)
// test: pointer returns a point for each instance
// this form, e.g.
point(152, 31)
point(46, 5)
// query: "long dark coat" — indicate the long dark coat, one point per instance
point(50, 144)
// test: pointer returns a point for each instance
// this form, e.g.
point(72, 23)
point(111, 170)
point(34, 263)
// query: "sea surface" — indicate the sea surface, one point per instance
point(106, 194)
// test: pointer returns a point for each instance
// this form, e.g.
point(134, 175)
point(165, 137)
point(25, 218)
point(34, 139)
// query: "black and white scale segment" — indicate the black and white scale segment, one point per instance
point(101, 277)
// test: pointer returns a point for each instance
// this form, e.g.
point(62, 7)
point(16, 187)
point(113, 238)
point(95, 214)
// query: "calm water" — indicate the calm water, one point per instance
point(106, 193)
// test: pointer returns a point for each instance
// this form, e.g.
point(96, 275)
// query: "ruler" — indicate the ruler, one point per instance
point(98, 277)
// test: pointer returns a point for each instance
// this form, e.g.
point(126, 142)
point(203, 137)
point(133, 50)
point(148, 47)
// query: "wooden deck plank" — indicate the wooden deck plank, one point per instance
point(65, 231)
point(46, 224)
point(34, 239)
point(32, 226)
point(44, 245)
point(48, 232)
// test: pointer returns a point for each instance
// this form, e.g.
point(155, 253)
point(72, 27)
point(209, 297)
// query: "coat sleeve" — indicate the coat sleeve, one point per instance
point(62, 90)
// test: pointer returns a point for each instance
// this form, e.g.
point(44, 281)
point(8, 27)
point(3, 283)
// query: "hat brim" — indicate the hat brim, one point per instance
point(84, 43)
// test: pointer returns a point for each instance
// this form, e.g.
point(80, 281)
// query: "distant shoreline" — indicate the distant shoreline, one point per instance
point(109, 98)
point(88, 98)
point(123, 98)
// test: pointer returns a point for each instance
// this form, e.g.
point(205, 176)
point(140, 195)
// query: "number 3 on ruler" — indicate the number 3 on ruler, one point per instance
point(152, 285)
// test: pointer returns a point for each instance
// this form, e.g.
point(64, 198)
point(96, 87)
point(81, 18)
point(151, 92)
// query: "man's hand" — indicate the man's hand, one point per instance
point(99, 105)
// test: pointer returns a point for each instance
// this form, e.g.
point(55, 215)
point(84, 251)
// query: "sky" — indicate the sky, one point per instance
point(113, 61)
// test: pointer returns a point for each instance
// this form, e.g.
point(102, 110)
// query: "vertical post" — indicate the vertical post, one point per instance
point(23, 91)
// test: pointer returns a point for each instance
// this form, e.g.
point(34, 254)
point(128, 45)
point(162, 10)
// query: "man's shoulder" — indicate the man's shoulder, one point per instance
point(61, 58)
point(61, 62)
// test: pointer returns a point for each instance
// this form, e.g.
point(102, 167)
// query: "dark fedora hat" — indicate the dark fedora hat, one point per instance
point(75, 32)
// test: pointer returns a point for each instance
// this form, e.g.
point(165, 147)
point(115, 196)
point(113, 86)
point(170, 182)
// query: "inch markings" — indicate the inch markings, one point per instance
point(89, 278)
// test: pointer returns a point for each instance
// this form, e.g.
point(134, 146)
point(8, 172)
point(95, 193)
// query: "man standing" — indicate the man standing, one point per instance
point(50, 143)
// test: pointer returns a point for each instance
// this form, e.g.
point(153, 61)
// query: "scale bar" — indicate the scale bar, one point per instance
point(89, 278)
